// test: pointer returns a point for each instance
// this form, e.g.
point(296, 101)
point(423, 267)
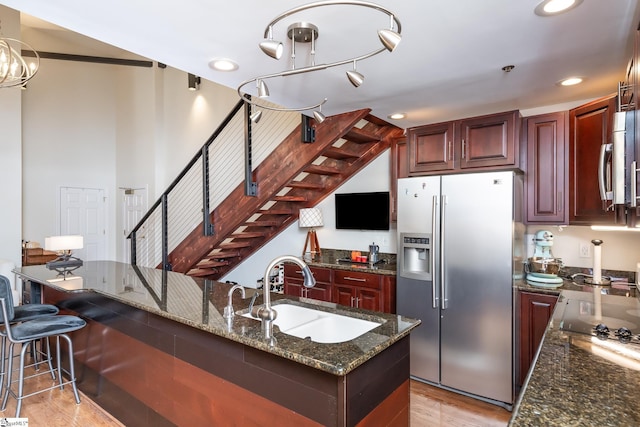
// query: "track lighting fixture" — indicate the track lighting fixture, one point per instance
point(305, 32)
point(354, 76)
point(255, 117)
point(263, 90)
point(318, 115)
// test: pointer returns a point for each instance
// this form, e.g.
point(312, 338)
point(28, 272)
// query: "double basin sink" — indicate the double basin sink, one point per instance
point(318, 325)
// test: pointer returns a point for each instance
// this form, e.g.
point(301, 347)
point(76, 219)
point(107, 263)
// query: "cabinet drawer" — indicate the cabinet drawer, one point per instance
point(355, 278)
point(292, 271)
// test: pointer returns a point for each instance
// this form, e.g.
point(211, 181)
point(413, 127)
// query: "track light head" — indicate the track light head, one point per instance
point(263, 90)
point(389, 38)
point(318, 116)
point(272, 48)
point(355, 78)
point(255, 117)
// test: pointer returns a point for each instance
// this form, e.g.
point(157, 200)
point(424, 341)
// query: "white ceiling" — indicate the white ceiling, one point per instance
point(447, 66)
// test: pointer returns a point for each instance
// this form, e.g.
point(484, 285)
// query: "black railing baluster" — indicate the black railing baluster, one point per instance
point(250, 186)
point(165, 233)
point(133, 255)
point(206, 217)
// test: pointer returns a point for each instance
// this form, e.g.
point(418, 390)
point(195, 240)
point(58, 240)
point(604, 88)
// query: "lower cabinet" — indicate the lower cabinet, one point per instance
point(293, 283)
point(535, 310)
point(356, 289)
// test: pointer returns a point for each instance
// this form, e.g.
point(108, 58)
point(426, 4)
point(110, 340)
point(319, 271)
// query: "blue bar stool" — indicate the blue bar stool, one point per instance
point(28, 332)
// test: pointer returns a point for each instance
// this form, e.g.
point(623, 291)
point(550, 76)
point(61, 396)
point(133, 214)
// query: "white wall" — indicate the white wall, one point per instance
point(620, 250)
point(10, 154)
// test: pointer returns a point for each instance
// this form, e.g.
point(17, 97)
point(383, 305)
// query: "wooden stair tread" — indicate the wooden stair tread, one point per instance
point(361, 137)
point(306, 185)
point(276, 211)
point(262, 223)
point(223, 255)
point(322, 170)
point(339, 154)
point(289, 199)
point(211, 264)
point(248, 235)
point(201, 272)
point(234, 245)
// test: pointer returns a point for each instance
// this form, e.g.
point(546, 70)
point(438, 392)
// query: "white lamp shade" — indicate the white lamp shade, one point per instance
point(63, 243)
point(311, 217)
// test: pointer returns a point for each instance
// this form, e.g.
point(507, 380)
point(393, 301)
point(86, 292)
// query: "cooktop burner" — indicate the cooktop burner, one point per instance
point(608, 321)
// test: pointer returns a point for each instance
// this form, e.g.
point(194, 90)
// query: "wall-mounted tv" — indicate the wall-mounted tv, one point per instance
point(362, 211)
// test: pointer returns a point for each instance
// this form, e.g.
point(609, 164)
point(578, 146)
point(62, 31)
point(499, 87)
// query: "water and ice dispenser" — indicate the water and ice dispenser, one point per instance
point(415, 256)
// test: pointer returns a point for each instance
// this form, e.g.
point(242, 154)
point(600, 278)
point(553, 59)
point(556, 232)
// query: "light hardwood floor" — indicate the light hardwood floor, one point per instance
point(430, 406)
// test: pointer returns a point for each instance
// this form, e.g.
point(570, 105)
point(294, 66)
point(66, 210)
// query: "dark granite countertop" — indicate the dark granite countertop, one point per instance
point(200, 303)
point(578, 379)
point(339, 260)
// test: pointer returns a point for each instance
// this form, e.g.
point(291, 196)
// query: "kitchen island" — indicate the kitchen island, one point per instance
point(578, 378)
point(158, 351)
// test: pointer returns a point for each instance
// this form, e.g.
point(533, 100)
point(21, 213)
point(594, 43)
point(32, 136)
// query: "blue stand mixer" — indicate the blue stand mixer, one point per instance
point(542, 268)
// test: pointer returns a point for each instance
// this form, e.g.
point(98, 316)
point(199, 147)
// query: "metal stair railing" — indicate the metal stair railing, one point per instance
point(189, 200)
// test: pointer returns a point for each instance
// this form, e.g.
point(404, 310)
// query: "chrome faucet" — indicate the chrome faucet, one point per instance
point(265, 312)
point(228, 310)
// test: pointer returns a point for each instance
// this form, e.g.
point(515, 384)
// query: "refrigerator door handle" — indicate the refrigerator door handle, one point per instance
point(432, 260)
point(443, 239)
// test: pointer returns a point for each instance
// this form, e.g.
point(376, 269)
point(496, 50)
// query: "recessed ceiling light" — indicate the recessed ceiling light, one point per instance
point(223, 64)
point(397, 116)
point(554, 7)
point(570, 81)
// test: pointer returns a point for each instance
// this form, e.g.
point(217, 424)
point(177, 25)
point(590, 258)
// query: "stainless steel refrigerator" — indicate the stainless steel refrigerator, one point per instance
point(460, 249)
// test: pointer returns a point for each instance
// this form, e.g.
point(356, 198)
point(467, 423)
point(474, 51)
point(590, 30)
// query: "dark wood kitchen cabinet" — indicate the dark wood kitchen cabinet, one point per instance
point(535, 310)
point(546, 178)
point(293, 280)
point(399, 169)
point(358, 289)
point(484, 142)
point(590, 126)
point(364, 290)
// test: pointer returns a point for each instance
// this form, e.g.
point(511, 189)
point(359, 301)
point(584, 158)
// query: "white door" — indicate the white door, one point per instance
point(134, 207)
point(82, 211)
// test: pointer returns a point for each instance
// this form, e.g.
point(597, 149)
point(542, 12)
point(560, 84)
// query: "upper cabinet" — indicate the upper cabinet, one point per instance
point(399, 169)
point(546, 180)
point(590, 126)
point(486, 142)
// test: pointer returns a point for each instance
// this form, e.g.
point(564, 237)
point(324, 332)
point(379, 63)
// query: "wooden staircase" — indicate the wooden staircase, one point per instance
point(296, 175)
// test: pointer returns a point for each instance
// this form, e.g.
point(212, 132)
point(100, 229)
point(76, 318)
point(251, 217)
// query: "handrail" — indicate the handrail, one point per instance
point(193, 161)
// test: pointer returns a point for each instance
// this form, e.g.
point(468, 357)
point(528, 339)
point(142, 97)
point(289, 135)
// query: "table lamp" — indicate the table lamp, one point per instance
point(64, 247)
point(311, 218)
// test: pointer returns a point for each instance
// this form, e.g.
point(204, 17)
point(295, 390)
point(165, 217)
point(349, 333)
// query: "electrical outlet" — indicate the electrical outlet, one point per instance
point(585, 250)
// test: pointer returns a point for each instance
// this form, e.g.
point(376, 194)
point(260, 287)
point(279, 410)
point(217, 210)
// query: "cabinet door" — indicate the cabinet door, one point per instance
point(590, 126)
point(399, 169)
point(344, 295)
point(369, 299)
point(488, 141)
point(431, 148)
point(535, 312)
point(320, 292)
point(293, 288)
point(546, 179)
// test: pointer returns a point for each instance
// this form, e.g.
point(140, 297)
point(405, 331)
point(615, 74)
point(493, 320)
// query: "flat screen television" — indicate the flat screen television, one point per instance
point(362, 211)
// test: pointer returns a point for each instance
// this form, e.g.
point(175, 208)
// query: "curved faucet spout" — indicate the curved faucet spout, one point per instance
point(228, 310)
point(268, 314)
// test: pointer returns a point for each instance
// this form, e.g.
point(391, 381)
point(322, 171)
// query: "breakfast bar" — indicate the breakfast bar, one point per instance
point(158, 351)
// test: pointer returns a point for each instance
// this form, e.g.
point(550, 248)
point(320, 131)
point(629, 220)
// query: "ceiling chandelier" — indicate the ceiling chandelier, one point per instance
point(14, 70)
point(306, 32)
